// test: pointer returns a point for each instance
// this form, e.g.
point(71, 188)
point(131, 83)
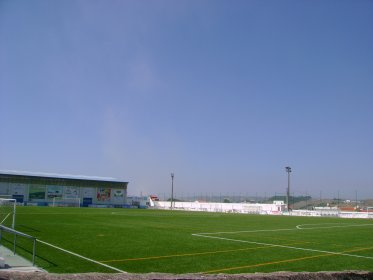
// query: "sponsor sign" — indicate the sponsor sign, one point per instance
point(36, 192)
point(3, 188)
point(117, 195)
point(19, 189)
point(103, 194)
point(71, 192)
point(55, 192)
point(88, 192)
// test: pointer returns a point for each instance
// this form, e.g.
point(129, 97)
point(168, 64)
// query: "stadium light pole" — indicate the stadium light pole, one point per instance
point(172, 189)
point(288, 170)
point(356, 199)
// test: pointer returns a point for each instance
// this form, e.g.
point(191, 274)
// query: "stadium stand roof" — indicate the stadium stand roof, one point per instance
point(56, 175)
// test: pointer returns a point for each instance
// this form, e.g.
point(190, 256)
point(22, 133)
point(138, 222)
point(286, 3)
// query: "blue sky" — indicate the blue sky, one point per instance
point(225, 94)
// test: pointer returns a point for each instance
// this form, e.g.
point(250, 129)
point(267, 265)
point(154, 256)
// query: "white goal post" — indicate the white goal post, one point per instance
point(66, 202)
point(8, 212)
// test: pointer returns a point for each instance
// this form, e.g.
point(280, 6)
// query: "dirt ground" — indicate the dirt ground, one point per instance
point(346, 275)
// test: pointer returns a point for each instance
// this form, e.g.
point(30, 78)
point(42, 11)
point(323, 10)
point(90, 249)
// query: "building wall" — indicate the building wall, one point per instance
point(43, 190)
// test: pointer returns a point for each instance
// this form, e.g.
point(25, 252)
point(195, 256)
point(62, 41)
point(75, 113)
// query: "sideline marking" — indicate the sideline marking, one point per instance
point(283, 246)
point(298, 227)
point(190, 254)
point(80, 256)
point(282, 261)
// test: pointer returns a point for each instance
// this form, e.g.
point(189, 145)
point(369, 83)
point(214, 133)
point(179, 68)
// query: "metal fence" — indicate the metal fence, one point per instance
point(18, 233)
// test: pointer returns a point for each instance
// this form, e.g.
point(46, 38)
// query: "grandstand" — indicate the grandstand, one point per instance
point(46, 189)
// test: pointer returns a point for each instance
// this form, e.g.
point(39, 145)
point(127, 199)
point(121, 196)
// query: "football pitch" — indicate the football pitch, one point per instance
point(141, 241)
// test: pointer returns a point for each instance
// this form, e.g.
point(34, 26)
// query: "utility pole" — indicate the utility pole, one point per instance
point(320, 197)
point(288, 170)
point(356, 200)
point(172, 189)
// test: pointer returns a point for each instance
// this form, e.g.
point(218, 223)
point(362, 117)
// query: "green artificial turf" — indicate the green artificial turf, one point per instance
point(140, 241)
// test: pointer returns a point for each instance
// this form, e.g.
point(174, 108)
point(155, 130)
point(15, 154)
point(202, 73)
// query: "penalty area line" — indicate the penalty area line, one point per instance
point(80, 256)
point(329, 227)
point(298, 227)
point(284, 246)
point(245, 231)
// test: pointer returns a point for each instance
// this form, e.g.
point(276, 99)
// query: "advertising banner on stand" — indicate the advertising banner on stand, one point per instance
point(54, 192)
point(117, 196)
point(88, 192)
point(103, 194)
point(4, 188)
point(71, 192)
point(19, 189)
point(36, 192)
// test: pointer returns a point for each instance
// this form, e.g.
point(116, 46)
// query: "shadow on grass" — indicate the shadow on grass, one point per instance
point(26, 252)
point(27, 228)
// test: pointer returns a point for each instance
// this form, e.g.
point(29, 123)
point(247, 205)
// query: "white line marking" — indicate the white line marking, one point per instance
point(246, 231)
point(283, 246)
point(343, 225)
point(5, 219)
point(80, 256)
point(298, 227)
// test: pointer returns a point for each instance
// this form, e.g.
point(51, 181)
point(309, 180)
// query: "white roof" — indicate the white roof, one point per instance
point(55, 175)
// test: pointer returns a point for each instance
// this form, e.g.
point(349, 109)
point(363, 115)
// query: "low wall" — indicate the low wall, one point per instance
point(256, 208)
point(245, 208)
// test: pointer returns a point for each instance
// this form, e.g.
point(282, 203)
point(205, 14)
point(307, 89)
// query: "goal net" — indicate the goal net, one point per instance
point(66, 202)
point(8, 212)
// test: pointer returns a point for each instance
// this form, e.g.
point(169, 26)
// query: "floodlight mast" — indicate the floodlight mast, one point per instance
point(288, 170)
point(172, 189)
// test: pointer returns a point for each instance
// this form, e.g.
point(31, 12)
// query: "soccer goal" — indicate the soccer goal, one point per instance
point(66, 202)
point(8, 212)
